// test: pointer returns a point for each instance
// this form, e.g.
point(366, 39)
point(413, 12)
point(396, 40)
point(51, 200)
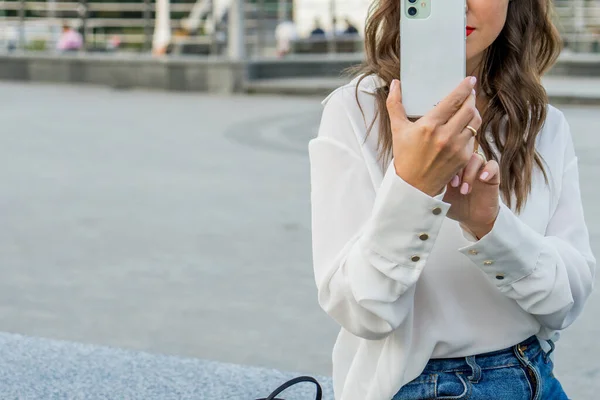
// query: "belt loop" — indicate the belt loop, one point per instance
point(475, 368)
point(552, 347)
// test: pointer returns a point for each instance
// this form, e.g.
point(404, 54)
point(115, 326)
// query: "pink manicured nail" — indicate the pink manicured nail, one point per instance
point(455, 181)
point(393, 85)
point(484, 176)
point(464, 189)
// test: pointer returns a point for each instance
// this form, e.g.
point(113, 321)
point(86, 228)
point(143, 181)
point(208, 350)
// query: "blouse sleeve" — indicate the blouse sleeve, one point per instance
point(550, 276)
point(369, 245)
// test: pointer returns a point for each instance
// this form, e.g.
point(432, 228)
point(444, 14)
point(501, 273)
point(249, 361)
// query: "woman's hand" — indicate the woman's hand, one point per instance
point(474, 196)
point(429, 152)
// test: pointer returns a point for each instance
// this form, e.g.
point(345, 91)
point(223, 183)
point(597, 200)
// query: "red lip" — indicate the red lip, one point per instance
point(470, 30)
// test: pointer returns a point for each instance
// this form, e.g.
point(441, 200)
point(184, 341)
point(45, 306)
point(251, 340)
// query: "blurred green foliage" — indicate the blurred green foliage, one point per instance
point(36, 45)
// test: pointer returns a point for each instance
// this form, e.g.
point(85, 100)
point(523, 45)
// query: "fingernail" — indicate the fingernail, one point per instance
point(464, 189)
point(455, 181)
point(393, 85)
point(473, 92)
point(473, 80)
point(484, 176)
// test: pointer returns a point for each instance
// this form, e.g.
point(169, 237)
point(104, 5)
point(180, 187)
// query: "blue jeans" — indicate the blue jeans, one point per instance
point(521, 372)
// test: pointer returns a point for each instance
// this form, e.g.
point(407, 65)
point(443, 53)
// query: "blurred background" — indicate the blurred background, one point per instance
point(201, 27)
point(155, 207)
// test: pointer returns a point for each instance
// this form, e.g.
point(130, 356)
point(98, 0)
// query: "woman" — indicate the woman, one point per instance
point(450, 275)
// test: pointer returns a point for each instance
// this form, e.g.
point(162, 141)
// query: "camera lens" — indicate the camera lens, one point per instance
point(412, 11)
point(412, 1)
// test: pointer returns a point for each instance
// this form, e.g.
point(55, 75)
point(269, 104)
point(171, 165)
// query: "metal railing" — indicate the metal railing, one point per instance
point(133, 22)
point(31, 21)
point(579, 24)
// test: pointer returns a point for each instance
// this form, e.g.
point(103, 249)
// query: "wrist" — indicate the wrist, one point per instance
point(480, 231)
point(431, 190)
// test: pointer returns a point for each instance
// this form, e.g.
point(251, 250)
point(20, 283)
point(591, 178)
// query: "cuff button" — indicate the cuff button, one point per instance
point(473, 252)
point(500, 277)
point(423, 236)
point(415, 258)
point(437, 211)
point(488, 262)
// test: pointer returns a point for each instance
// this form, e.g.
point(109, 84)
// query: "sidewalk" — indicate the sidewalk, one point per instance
point(41, 369)
point(561, 89)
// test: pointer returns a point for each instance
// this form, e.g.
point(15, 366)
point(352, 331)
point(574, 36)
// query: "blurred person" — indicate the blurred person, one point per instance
point(113, 43)
point(12, 38)
point(285, 33)
point(451, 249)
point(350, 28)
point(70, 39)
point(161, 38)
point(317, 30)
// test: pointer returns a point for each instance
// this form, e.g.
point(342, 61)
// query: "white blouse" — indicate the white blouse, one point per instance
point(406, 284)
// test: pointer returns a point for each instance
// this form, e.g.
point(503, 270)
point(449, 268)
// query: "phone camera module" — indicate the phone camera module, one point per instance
point(412, 11)
point(412, 1)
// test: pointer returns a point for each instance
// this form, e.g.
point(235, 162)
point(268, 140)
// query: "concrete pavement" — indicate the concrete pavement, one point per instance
point(35, 368)
point(179, 224)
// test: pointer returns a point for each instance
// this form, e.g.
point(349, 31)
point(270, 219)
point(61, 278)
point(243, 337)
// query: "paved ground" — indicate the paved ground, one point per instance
point(45, 369)
point(179, 224)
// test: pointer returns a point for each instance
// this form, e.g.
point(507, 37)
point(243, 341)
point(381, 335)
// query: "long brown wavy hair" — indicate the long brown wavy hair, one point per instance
point(509, 77)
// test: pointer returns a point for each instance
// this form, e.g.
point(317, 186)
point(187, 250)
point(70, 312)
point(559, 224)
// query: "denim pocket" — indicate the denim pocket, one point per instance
point(452, 385)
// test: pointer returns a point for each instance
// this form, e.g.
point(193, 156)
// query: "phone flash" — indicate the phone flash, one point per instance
point(423, 4)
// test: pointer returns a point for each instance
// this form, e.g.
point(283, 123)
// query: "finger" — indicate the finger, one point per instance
point(490, 173)
point(471, 173)
point(453, 102)
point(394, 103)
point(455, 181)
point(467, 115)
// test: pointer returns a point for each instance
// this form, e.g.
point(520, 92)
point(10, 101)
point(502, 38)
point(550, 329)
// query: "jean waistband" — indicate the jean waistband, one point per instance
point(529, 348)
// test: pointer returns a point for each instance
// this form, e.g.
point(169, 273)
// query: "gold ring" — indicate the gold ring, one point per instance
point(469, 127)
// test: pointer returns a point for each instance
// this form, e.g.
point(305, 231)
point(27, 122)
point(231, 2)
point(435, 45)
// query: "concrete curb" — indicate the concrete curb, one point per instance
point(560, 89)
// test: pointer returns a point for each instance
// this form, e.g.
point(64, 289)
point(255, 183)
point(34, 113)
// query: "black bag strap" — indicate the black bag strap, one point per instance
point(292, 382)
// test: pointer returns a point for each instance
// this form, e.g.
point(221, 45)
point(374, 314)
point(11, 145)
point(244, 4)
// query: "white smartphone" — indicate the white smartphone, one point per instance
point(432, 51)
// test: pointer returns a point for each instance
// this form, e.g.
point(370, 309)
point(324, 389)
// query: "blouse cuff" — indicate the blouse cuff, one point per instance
point(405, 221)
point(509, 252)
